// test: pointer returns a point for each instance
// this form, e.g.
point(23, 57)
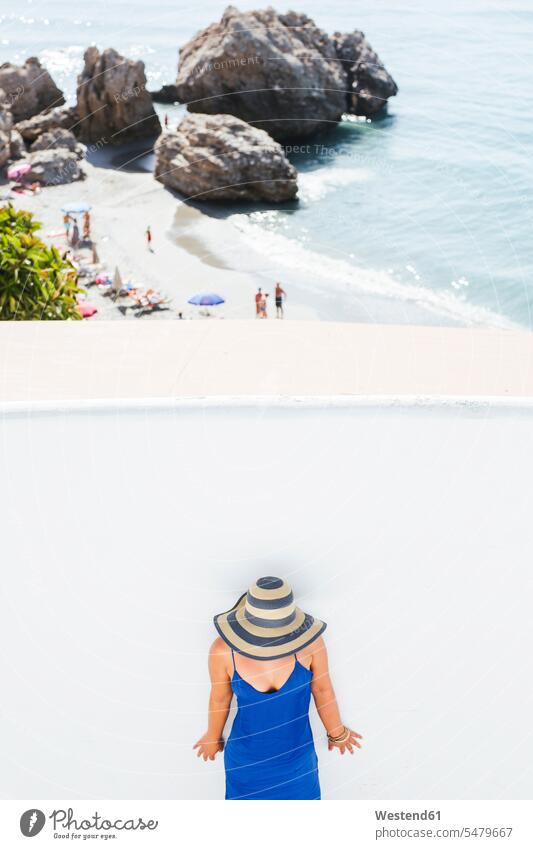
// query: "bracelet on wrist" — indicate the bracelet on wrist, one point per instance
point(336, 736)
point(341, 738)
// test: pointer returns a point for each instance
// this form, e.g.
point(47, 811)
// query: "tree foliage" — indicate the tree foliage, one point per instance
point(35, 282)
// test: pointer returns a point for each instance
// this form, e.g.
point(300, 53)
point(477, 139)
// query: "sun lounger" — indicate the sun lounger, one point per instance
point(108, 287)
point(152, 306)
point(146, 301)
point(150, 301)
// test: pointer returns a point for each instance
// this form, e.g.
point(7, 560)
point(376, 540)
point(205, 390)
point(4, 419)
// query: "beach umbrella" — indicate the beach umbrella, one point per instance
point(73, 208)
point(116, 285)
point(17, 171)
point(117, 278)
point(206, 299)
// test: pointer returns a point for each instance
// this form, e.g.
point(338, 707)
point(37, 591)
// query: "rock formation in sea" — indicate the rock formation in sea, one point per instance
point(6, 124)
point(56, 138)
point(220, 157)
point(278, 72)
point(53, 167)
point(113, 103)
point(369, 84)
point(29, 88)
point(34, 127)
point(39, 135)
point(165, 94)
point(17, 148)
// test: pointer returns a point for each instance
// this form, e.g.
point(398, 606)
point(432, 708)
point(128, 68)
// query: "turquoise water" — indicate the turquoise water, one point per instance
point(434, 201)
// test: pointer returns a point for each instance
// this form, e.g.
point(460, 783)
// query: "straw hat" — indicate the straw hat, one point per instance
point(266, 624)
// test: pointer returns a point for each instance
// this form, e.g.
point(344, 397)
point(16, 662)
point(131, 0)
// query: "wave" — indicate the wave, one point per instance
point(314, 185)
point(323, 272)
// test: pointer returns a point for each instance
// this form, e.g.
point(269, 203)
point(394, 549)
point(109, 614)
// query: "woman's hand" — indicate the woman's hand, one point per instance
point(208, 749)
point(349, 743)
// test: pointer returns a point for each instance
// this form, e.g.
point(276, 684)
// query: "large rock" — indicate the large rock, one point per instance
point(165, 94)
point(29, 88)
point(53, 167)
point(56, 138)
point(278, 72)
point(220, 157)
point(6, 124)
point(114, 105)
point(17, 148)
point(369, 83)
point(32, 128)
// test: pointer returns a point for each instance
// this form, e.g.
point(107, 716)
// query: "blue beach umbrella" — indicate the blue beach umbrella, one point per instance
point(206, 299)
point(73, 208)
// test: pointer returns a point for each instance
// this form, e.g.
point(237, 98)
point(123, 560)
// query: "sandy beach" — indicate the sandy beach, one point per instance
point(220, 248)
point(184, 260)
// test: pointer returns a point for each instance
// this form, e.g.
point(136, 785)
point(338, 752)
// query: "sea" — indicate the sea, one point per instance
point(424, 214)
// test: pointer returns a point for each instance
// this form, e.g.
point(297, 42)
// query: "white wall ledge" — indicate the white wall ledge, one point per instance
point(77, 361)
point(246, 402)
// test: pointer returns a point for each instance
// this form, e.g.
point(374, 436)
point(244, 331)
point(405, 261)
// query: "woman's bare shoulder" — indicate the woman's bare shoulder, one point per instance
point(318, 645)
point(219, 647)
point(220, 662)
point(314, 649)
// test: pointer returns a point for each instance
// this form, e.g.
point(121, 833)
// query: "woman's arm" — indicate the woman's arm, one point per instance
point(326, 702)
point(219, 702)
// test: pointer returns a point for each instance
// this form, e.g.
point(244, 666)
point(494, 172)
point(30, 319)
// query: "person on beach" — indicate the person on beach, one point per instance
point(75, 240)
point(263, 307)
point(272, 657)
point(280, 295)
point(87, 226)
point(149, 238)
point(258, 299)
point(166, 122)
point(67, 221)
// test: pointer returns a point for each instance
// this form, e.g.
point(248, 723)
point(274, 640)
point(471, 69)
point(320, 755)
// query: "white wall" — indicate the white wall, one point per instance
point(409, 531)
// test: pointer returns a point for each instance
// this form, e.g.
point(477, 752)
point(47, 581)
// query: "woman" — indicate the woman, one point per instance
point(75, 240)
point(271, 655)
point(87, 226)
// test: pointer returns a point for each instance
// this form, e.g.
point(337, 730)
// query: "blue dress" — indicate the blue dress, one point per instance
point(270, 753)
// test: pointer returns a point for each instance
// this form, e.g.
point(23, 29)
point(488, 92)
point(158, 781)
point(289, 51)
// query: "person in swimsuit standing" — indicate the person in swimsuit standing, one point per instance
point(272, 657)
point(280, 295)
point(258, 299)
point(75, 238)
point(87, 226)
point(263, 305)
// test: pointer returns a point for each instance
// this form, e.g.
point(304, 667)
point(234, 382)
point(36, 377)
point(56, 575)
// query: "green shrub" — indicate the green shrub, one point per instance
point(35, 282)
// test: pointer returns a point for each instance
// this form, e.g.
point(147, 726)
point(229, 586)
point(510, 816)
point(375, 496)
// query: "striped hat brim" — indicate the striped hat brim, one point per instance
point(266, 643)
